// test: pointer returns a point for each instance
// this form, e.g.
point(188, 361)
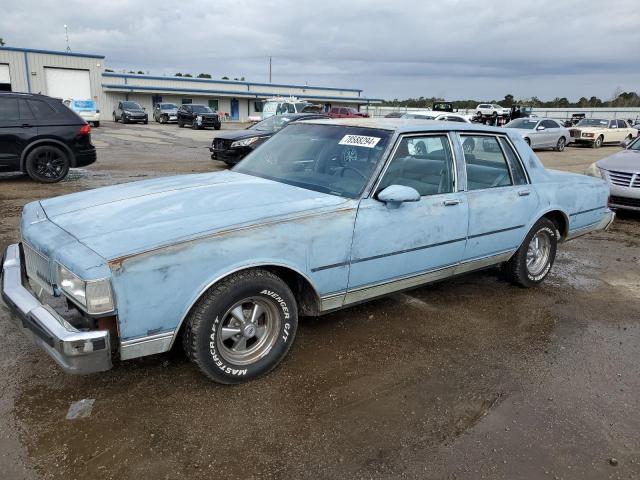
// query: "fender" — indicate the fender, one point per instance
point(41, 141)
point(231, 272)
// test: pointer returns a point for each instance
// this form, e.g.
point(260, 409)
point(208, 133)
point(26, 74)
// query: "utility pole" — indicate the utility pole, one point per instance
point(269, 69)
point(66, 35)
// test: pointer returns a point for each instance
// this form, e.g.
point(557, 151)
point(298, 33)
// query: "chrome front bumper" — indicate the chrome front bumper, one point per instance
point(76, 351)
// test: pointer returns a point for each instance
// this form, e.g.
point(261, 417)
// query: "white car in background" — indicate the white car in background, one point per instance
point(492, 110)
point(438, 116)
point(87, 109)
point(541, 132)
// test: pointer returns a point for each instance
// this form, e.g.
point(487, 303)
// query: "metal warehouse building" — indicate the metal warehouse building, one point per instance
point(81, 76)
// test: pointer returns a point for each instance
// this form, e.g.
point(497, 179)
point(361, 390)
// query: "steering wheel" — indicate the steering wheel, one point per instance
point(347, 167)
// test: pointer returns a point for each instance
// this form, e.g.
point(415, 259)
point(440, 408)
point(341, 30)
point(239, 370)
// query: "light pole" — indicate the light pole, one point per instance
point(66, 35)
point(269, 69)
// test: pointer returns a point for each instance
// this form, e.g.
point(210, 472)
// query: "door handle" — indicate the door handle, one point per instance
point(450, 203)
point(524, 193)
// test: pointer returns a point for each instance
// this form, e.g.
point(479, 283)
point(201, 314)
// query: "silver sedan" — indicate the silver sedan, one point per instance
point(541, 132)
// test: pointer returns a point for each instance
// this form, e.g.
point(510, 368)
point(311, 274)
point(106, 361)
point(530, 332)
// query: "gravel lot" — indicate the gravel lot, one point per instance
point(470, 378)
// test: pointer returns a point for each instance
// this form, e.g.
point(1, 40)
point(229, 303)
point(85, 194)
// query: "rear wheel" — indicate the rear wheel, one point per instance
point(47, 164)
point(242, 327)
point(533, 260)
point(562, 142)
point(123, 118)
point(115, 119)
point(180, 124)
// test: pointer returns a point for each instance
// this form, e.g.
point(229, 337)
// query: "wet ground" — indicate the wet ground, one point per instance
point(470, 378)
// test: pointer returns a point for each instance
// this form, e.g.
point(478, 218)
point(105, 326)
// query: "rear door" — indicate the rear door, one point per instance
point(501, 200)
point(551, 133)
point(17, 128)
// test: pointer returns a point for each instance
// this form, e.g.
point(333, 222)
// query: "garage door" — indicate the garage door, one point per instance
point(5, 78)
point(64, 83)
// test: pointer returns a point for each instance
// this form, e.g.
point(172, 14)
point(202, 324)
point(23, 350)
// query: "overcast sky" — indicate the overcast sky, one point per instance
point(456, 49)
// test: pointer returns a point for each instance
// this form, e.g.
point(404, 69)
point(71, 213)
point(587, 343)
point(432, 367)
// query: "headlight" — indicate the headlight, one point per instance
point(594, 171)
point(127, 112)
point(199, 118)
point(245, 142)
point(94, 296)
point(588, 135)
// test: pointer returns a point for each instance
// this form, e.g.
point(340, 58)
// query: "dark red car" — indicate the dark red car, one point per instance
point(346, 112)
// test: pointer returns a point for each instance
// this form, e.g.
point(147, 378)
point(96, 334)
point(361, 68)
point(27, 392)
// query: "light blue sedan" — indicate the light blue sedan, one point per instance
point(324, 215)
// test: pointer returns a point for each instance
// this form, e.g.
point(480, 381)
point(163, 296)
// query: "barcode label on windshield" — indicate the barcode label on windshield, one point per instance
point(359, 141)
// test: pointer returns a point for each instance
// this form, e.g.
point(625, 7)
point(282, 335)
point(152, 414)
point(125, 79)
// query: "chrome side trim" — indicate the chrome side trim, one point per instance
point(602, 224)
point(149, 345)
point(331, 302)
point(478, 263)
point(78, 352)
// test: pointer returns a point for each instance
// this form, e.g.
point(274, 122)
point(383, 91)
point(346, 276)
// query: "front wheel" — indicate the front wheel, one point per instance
point(217, 126)
point(242, 327)
point(533, 260)
point(180, 124)
point(115, 119)
point(561, 144)
point(598, 142)
point(96, 124)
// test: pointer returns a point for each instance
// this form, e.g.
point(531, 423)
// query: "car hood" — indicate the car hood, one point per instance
point(140, 216)
point(172, 111)
point(624, 161)
point(240, 134)
point(133, 110)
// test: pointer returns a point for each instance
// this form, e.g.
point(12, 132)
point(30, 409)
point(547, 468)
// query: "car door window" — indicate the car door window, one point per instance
point(41, 110)
point(517, 171)
point(548, 124)
point(613, 124)
point(485, 163)
point(424, 163)
point(9, 109)
point(622, 124)
point(25, 112)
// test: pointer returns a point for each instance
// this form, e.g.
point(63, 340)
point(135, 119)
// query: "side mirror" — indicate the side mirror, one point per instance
point(143, 108)
point(395, 195)
point(624, 144)
point(540, 128)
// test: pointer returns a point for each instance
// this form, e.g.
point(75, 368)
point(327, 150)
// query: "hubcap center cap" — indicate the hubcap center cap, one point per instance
point(249, 330)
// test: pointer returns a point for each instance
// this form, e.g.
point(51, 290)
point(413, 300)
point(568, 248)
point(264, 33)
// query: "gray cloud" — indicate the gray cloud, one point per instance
point(391, 48)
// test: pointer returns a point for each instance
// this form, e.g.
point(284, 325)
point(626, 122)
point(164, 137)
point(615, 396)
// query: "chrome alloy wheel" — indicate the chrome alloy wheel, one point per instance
point(248, 330)
point(538, 253)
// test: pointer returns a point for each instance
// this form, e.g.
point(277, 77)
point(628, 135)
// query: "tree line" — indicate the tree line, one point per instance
point(619, 99)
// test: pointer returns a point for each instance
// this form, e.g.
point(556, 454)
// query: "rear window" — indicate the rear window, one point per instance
point(9, 109)
point(41, 109)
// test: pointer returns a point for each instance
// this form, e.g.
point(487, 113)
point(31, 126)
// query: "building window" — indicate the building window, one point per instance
point(213, 105)
point(257, 106)
point(187, 101)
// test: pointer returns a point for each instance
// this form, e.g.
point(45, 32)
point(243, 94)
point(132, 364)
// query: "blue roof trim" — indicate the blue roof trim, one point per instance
point(226, 82)
point(50, 52)
point(241, 93)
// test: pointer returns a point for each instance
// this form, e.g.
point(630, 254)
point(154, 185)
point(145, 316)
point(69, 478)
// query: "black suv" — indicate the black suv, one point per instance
point(198, 116)
point(40, 136)
point(233, 145)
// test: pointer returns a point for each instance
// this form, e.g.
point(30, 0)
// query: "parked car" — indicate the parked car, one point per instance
point(394, 115)
point(165, 113)
point(280, 106)
point(130, 112)
point(231, 146)
point(346, 112)
point(324, 215)
point(420, 116)
point(622, 172)
point(198, 117)
point(575, 118)
point(438, 116)
point(41, 137)
point(541, 132)
point(598, 131)
point(492, 110)
point(521, 111)
point(87, 109)
point(452, 117)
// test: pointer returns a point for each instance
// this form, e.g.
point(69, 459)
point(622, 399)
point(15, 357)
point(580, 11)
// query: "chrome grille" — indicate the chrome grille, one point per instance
point(636, 181)
point(38, 267)
point(575, 133)
point(622, 179)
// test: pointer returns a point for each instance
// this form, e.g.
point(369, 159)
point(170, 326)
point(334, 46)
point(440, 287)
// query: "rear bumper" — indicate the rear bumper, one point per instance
point(603, 224)
point(78, 352)
point(85, 157)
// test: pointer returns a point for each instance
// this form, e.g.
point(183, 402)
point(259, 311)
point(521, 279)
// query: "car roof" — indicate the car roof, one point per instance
point(305, 114)
point(25, 94)
point(406, 125)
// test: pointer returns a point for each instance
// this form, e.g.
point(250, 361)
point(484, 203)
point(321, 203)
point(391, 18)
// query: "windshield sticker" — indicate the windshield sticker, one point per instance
point(359, 141)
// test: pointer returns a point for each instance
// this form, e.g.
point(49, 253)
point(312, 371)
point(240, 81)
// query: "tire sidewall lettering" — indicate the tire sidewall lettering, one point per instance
point(541, 275)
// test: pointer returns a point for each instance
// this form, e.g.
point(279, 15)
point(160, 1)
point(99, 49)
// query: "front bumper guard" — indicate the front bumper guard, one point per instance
point(78, 352)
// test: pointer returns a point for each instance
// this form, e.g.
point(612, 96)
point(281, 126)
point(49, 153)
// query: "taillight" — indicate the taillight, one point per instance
point(85, 129)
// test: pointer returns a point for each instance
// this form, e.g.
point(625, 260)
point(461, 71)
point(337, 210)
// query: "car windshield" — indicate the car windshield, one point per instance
point(352, 111)
point(131, 106)
point(332, 159)
point(593, 122)
point(200, 109)
point(525, 123)
point(271, 124)
point(635, 145)
point(168, 106)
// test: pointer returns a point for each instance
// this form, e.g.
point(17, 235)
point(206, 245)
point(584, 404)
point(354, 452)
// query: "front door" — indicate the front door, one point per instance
point(17, 128)
point(235, 109)
point(397, 248)
point(501, 200)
